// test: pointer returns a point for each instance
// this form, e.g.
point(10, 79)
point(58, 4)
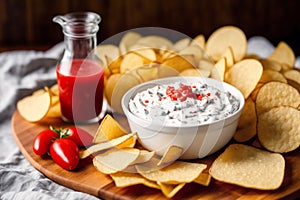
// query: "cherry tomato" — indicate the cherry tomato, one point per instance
point(43, 141)
point(65, 153)
point(79, 136)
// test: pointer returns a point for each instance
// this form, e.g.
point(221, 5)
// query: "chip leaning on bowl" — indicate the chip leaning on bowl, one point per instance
point(199, 137)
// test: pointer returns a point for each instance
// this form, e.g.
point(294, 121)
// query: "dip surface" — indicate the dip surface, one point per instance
point(183, 104)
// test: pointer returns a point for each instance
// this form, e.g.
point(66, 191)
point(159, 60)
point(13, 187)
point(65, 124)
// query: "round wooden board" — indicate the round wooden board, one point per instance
point(87, 179)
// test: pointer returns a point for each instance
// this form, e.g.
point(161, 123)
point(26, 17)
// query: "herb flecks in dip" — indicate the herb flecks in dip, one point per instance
point(183, 103)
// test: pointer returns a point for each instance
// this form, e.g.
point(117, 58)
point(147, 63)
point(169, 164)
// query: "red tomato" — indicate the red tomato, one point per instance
point(79, 136)
point(65, 153)
point(43, 141)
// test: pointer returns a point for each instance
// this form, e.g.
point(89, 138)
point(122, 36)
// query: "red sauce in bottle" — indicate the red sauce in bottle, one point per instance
point(81, 84)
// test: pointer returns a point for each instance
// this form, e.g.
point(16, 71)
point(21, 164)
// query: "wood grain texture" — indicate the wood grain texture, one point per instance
point(87, 179)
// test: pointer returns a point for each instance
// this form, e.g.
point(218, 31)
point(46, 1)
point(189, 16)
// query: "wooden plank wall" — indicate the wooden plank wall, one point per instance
point(29, 22)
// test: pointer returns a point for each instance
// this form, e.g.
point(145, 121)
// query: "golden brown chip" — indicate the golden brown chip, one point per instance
point(125, 179)
point(270, 64)
point(270, 75)
point(274, 94)
point(279, 129)
point(284, 54)
point(245, 75)
point(125, 82)
point(255, 91)
point(166, 71)
point(228, 55)
point(199, 40)
point(224, 37)
point(181, 44)
point(144, 156)
point(106, 145)
point(147, 54)
point(131, 61)
point(293, 78)
point(203, 179)
point(108, 50)
point(218, 72)
point(110, 85)
point(249, 167)
point(195, 72)
point(108, 129)
point(115, 159)
point(155, 42)
point(194, 50)
point(178, 63)
point(35, 107)
point(147, 73)
point(127, 41)
point(176, 173)
point(171, 154)
point(169, 190)
point(247, 123)
point(206, 64)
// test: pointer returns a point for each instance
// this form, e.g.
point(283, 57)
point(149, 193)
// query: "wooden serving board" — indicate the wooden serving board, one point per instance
point(87, 179)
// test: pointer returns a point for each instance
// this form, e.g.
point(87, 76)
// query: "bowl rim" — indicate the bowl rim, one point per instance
point(169, 80)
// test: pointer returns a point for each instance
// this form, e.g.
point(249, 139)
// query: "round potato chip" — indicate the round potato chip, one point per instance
point(128, 40)
point(218, 71)
point(108, 50)
point(199, 40)
point(270, 64)
point(279, 129)
point(245, 75)
point(179, 63)
point(181, 44)
point(284, 54)
point(249, 167)
point(131, 61)
point(194, 50)
point(155, 42)
point(228, 55)
point(274, 94)
point(270, 75)
point(224, 37)
point(35, 107)
point(195, 72)
point(293, 78)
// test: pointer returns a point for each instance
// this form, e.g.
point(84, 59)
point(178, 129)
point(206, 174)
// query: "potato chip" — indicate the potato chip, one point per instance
point(110, 85)
point(108, 50)
point(228, 55)
point(195, 72)
point(115, 160)
point(249, 167)
point(203, 179)
point(279, 129)
point(169, 190)
point(125, 179)
point(274, 94)
point(206, 64)
point(245, 75)
point(255, 91)
point(108, 129)
point(144, 156)
point(224, 37)
point(179, 63)
point(155, 42)
point(172, 153)
point(270, 65)
point(194, 50)
point(176, 173)
point(166, 71)
point(113, 65)
point(148, 72)
point(182, 44)
point(128, 40)
point(284, 54)
point(35, 107)
point(293, 78)
point(54, 111)
point(106, 145)
point(147, 54)
point(126, 82)
point(270, 75)
point(199, 40)
point(130, 62)
point(247, 123)
point(54, 89)
point(218, 72)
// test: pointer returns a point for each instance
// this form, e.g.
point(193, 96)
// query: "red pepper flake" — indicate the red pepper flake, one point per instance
point(208, 94)
point(146, 101)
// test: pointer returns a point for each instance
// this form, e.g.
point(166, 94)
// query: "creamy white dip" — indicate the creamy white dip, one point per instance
point(183, 103)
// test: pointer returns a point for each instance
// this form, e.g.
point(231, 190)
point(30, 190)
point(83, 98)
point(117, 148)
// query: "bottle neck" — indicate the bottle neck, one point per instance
point(80, 47)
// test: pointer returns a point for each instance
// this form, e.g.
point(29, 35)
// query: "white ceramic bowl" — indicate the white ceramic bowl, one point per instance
point(197, 141)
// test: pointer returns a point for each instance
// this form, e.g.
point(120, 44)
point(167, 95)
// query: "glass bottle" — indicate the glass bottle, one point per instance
point(80, 73)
